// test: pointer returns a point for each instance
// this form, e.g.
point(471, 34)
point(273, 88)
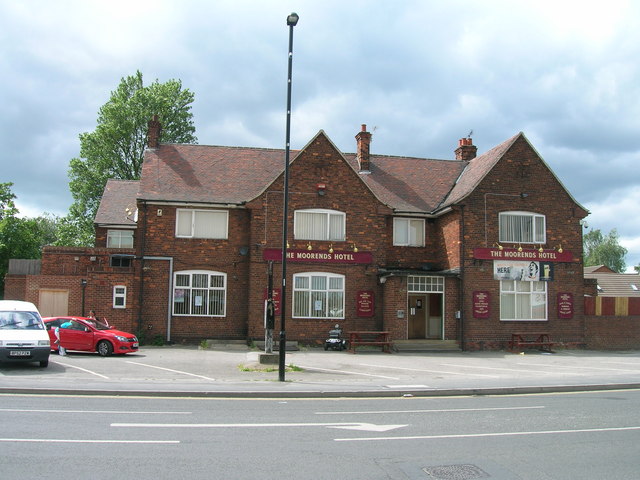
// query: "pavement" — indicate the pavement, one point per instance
point(235, 371)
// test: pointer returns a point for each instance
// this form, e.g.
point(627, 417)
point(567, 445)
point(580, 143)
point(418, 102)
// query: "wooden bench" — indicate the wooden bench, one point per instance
point(540, 340)
point(369, 338)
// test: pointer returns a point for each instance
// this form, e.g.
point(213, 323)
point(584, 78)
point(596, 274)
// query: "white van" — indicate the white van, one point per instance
point(23, 337)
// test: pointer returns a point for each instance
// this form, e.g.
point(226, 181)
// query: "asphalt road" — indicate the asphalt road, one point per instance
point(589, 435)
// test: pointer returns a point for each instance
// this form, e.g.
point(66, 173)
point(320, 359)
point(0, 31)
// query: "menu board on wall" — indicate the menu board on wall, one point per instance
point(565, 305)
point(364, 303)
point(481, 305)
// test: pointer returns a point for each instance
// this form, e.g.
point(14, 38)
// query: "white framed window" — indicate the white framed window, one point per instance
point(318, 224)
point(522, 227)
point(523, 300)
point(119, 238)
point(424, 284)
point(119, 296)
point(318, 295)
point(200, 293)
point(202, 223)
point(408, 232)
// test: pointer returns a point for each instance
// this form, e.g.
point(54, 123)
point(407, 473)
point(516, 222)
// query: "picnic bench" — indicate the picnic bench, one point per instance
point(540, 340)
point(369, 338)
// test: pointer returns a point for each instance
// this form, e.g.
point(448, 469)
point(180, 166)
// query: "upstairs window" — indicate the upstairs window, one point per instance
point(119, 238)
point(319, 224)
point(522, 227)
point(408, 232)
point(201, 223)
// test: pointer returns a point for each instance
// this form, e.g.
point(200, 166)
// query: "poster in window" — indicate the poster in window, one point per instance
point(481, 304)
point(178, 295)
point(365, 305)
point(565, 305)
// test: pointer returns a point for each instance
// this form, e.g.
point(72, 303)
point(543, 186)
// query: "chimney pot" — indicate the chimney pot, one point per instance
point(466, 149)
point(363, 139)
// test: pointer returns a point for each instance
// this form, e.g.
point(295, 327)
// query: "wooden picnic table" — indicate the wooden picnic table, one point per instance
point(540, 340)
point(371, 338)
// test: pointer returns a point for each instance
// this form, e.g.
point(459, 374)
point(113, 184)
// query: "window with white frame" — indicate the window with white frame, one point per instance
point(424, 284)
point(200, 293)
point(317, 224)
point(523, 300)
point(318, 295)
point(119, 238)
point(408, 232)
point(522, 227)
point(202, 223)
point(119, 296)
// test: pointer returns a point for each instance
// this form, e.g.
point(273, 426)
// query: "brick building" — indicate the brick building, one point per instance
point(465, 250)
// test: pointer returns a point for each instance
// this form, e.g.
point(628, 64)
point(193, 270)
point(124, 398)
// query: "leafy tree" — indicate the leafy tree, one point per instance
point(20, 237)
point(604, 250)
point(115, 149)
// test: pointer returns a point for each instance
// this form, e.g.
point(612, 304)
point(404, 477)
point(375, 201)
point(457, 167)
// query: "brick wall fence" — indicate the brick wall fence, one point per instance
point(612, 323)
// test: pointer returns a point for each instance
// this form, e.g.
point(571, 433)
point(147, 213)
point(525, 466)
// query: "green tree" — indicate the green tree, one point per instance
point(115, 149)
point(604, 250)
point(21, 238)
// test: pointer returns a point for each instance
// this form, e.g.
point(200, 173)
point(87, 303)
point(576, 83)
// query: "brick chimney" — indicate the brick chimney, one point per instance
point(153, 132)
point(466, 149)
point(364, 140)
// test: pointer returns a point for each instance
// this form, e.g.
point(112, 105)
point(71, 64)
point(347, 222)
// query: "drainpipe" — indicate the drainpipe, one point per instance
point(170, 294)
point(462, 282)
point(143, 237)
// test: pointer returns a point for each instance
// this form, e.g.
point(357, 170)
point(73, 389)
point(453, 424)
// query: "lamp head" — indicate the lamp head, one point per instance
point(292, 19)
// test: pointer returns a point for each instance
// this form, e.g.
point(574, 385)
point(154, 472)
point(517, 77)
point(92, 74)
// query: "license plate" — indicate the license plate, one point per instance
point(19, 353)
point(135, 345)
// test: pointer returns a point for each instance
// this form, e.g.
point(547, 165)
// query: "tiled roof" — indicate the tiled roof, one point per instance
point(616, 284)
point(118, 203)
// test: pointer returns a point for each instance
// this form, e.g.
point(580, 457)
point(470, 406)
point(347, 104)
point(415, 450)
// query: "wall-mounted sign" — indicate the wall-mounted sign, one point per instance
point(276, 298)
point(565, 305)
point(365, 305)
point(525, 254)
point(481, 305)
point(524, 271)
point(318, 256)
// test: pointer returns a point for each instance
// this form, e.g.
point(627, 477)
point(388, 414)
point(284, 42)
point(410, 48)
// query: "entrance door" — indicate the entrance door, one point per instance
point(53, 303)
point(418, 310)
point(434, 322)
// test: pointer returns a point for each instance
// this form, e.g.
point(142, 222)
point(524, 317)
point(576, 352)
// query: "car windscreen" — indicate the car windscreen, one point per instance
point(12, 320)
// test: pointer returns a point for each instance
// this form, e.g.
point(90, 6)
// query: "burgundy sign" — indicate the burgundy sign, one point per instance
point(317, 256)
point(276, 299)
point(364, 303)
point(565, 305)
point(514, 254)
point(481, 307)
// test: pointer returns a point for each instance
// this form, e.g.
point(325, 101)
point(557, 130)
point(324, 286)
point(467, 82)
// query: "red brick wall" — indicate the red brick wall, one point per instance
point(612, 333)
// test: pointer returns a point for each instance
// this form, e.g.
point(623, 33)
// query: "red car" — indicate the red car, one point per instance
point(88, 335)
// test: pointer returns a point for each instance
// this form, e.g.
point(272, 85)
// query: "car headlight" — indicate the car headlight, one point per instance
point(122, 339)
point(44, 343)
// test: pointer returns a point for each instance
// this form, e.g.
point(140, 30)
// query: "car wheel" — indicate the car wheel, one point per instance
point(44, 363)
point(105, 348)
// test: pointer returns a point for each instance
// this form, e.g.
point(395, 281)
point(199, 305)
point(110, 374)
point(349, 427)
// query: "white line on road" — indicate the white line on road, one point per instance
point(345, 425)
point(431, 411)
point(584, 368)
point(430, 371)
point(83, 369)
point(66, 440)
point(496, 434)
point(348, 372)
point(171, 370)
point(115, 412)
point(519, 370)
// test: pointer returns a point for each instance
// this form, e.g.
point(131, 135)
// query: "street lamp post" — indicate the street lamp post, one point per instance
point(292, 20)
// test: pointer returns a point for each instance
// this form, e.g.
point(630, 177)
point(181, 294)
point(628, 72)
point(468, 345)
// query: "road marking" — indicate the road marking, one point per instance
point(496, 434)
point(443, 410)
point(171, 370)
point(116, 412)
point(584, 368)
point(83, 369)
point(430, 371)
point(66, 440)
point(348, 372)
point(344, 425)
point(499, 368)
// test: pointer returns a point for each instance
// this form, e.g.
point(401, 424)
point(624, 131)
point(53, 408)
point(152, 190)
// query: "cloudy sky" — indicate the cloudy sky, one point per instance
point(421, 74)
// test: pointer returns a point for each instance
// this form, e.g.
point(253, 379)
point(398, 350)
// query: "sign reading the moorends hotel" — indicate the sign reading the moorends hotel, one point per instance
point(318, 256)
point(515, 254)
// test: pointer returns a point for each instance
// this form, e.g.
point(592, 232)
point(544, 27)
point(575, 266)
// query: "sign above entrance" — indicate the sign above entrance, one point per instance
point(524, 254)
point(318, 256)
